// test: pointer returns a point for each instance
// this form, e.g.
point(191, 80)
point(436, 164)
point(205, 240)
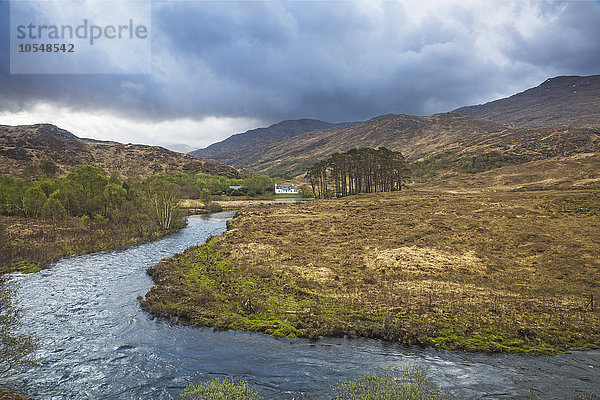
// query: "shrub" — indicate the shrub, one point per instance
point(54, 210)
point(205, 197)
point(404, 383)
point(220, 389)
point(33, 201)
point(214, 207)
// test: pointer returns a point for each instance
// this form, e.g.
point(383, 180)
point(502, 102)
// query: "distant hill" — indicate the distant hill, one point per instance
point(237, 148)
point(565, 101)
point(559, 118)
point(418, 137)
point(27, 144)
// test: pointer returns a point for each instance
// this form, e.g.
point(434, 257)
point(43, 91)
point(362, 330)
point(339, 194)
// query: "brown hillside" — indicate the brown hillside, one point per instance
point(21, 146)
point(236, 148)
point(419, 137)
point(571, 101)
point(578, 171)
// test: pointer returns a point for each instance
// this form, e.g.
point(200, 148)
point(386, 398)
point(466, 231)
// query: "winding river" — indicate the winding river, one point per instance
point(96, 343)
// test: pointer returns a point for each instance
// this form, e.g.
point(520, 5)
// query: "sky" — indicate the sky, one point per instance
point(222, 67)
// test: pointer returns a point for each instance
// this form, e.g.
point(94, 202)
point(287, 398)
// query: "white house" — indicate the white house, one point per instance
point(286, 189)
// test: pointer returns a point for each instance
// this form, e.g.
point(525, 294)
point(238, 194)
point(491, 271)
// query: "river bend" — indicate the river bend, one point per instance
point(96, 343)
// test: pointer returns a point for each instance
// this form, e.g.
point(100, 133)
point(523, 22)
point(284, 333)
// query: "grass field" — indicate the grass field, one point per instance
point(29, 244)
point(506, 271)
point(196, 206)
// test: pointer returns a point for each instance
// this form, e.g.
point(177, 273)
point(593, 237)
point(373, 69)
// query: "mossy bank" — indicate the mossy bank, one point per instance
point(496, 272)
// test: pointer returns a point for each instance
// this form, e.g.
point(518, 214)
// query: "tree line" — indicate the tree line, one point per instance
point(364, 170)
point(88, 193)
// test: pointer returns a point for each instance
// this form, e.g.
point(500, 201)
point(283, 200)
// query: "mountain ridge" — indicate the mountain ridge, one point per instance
point(561, 101)
point(24, 145)
point(419, 137)
point(231, 150)
point(537, 123)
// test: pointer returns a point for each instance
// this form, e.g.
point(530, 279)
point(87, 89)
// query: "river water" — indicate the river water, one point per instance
point(96, 343)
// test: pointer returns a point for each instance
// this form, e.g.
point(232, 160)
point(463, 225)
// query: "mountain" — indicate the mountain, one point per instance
point(419, 137)
point(563, 101)
point(24, 145)
point(559, 118)
point(237, 148)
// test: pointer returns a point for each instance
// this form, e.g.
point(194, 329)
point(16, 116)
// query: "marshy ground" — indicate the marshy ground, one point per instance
point(504, 271)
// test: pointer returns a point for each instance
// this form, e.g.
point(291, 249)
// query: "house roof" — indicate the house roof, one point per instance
point(285, 187)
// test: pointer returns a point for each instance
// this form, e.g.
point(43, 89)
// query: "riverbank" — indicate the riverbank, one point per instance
point(500, 272)
point(190, 206)
point(8, 395)
point(29, 244)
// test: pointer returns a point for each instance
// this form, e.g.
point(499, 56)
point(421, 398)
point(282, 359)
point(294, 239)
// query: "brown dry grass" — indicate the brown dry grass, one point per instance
point(419, 267)
point(28, 244)
point(192, 205)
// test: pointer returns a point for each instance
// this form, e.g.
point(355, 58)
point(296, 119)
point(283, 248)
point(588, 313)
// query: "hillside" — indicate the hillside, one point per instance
point(237, 148)
point(24, 145)
point(419, 137)
point(559, 118)
point(566, 101)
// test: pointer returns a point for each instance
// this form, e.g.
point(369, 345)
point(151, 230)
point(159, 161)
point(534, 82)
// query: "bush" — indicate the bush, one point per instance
point(214, 207)
point(33, 201)
point(54, 210)
point(404, 383)
point(205, 197)
point(220, 389)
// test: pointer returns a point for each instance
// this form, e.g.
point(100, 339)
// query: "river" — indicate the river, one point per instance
point(96, 343)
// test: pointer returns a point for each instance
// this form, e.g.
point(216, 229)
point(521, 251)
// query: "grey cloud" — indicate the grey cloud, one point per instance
point(332, 61)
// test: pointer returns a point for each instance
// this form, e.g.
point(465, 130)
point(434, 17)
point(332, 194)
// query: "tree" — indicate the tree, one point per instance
point(205, 197)
point(48, 186)
point(114, 195)
point(305, 192)
point(92, 181)
point(48, 168)
point(11, 194)
point(54, 210)
point(163, 197)
point(259, 184)
point(33, 201)
point(72, 196)
point(363, 170)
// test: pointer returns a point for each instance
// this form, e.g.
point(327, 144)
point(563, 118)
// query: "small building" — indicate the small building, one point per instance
point(233, 187)
point(290, 189)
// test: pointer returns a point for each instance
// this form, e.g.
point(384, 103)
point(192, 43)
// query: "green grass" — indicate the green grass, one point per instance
point(398, 383)
point(220, 389)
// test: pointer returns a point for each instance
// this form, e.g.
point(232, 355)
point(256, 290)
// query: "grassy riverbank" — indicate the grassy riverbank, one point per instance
point(29, 244)
point(197, 207)
point(508, 271)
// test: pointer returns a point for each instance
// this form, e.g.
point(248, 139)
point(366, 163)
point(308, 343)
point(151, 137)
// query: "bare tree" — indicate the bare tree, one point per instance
point(163, 197)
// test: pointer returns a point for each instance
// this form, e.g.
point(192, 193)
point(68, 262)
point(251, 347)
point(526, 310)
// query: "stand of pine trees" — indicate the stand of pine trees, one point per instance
point(363, 170)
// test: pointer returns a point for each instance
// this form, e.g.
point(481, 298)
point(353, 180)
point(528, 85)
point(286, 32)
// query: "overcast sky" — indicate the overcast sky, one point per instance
point(219, 68)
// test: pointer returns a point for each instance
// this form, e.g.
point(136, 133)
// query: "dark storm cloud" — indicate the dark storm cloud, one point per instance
point(328, 60)
point(567, 45)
